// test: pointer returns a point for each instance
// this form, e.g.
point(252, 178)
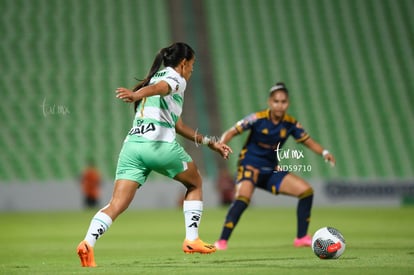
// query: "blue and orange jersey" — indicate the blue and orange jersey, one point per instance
point(265, 136)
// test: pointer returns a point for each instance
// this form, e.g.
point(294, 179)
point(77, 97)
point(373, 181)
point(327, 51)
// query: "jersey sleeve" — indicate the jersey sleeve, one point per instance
point(299, 133)
point(173, 80)
point(246, 123)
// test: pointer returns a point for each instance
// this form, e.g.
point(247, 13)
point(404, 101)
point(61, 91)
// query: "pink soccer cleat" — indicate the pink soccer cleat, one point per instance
point(302, 242)
point(221, 244)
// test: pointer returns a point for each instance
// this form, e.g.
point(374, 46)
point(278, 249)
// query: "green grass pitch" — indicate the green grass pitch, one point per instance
point(379, 241)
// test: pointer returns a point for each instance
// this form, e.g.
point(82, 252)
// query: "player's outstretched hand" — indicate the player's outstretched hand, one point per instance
point(125, 94)
point(330, 158)
point(223, 149)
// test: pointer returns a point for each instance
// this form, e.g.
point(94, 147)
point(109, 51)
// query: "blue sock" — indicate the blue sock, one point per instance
point(233, 215)
point(303, 213)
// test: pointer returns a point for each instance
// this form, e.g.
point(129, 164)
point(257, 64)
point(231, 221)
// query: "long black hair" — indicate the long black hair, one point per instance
point(169, 56)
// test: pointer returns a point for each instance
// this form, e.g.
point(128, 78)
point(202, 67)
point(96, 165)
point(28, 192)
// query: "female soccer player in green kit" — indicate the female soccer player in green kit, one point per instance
point(151, 146)
point(258, 163)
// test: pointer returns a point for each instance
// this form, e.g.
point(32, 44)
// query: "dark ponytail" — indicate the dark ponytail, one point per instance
point(169, 56)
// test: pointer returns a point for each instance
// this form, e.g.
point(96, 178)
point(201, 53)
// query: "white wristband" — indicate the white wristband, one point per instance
point(206, 140)
point(325, 152)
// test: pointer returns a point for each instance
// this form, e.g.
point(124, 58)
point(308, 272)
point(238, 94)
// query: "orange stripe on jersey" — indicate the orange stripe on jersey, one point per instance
point(289, 118)
point(302, 139)
point(142, 108)
point(239, 128)
point(263, 114)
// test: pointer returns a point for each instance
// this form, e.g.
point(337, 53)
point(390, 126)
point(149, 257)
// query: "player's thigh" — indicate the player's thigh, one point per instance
point(190, 177)
point(293, 185)
point(169, 159)
point(247, 178)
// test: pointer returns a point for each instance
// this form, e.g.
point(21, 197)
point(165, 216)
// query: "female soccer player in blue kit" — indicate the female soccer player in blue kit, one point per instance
point(258, 163)
point(151, 145)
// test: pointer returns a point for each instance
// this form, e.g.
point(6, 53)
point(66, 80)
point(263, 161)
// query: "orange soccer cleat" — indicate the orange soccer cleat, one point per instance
point(198, 246)
point(85, 252)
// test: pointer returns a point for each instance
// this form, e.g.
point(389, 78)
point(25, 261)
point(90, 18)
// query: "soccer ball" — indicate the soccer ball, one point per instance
point(328, 243)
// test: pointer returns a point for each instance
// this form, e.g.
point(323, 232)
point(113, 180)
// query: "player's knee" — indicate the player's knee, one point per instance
point(194, 182)
point(307, 193)
point(190, 178)
point(192, 187)
point(244, 199)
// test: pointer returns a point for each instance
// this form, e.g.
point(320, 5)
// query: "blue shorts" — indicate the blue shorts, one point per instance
point(267, 180)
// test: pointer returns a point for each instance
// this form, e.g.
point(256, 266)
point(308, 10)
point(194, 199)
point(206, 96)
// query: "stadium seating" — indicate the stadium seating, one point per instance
point(347, 65)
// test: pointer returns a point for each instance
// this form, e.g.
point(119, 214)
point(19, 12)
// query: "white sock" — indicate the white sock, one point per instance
point(100, 223)
point(192, 217)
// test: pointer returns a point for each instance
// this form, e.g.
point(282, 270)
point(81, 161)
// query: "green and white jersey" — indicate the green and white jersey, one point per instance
point(156, 116)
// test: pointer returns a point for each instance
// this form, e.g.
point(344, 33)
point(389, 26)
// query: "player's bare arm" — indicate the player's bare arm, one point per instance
point(191, 134)
point(160, 88)
point(318, 149)
point(228, 135)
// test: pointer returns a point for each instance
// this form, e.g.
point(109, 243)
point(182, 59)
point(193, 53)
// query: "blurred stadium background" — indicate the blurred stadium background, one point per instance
point(347, 64)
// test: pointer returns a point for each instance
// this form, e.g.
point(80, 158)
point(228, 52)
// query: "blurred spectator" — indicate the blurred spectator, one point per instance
point(225, 187)
point(91, 185)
